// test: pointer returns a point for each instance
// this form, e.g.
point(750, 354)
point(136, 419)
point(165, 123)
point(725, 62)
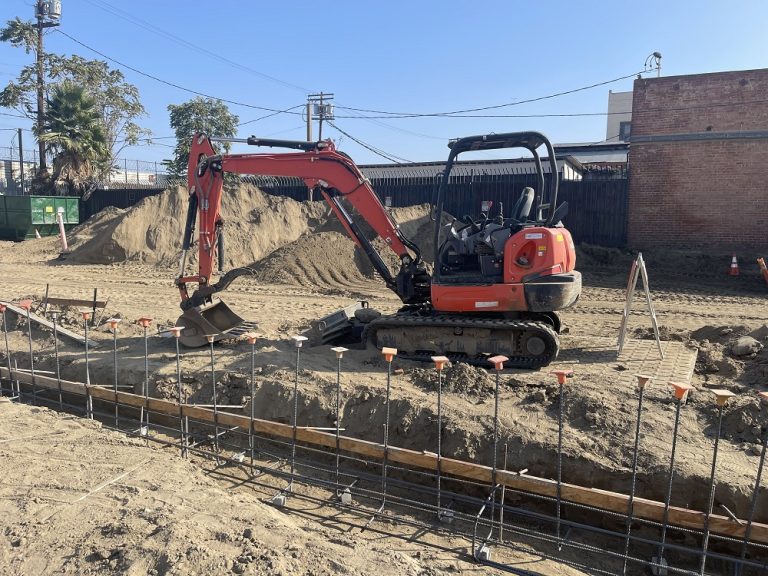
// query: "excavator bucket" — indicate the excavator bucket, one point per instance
point(215, 319)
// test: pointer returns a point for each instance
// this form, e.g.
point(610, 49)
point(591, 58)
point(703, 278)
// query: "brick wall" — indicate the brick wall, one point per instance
point(699, 161)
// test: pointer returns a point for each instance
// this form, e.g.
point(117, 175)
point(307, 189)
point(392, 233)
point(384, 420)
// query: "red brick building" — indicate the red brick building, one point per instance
point(699, 161)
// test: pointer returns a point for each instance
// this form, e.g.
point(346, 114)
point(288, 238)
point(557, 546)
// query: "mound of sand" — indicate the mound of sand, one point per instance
point(151, 232)
point(329, 258)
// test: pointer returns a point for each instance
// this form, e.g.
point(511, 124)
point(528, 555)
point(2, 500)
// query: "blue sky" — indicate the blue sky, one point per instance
point(418, 56)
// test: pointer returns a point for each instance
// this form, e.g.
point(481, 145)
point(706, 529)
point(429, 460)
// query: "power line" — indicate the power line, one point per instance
point(167, 83)
point(496, 106)
point(107, 7)
point(369, 147)
point(270, 115)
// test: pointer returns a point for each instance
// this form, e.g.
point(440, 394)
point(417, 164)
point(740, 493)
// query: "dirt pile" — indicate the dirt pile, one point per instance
point(326, 257)
point(150, 232)
point(459, 378)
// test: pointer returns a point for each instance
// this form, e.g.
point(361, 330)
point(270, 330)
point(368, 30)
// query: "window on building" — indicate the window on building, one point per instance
point(624, 131)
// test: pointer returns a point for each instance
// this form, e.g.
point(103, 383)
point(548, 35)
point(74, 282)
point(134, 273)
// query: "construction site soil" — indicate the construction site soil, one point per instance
point(175, 517)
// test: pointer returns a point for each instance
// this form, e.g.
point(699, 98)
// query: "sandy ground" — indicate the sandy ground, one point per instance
point(701, 310)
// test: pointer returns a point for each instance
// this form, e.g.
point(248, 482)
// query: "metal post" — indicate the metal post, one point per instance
point(113, 322)
point(176, 332)
point(763, 396)
point(440, 362)
point(210, 338)
point(562, 379)
point(88, 400)
point(21, 161)
point(389, 355)
point(721, 397)
point(339, 351)
point(641, 382)
point(55, 317)
point(681, 391)
point(298, 341)
point(251, 337)
point(27, 305)
point(144, 322)
point(3, 308)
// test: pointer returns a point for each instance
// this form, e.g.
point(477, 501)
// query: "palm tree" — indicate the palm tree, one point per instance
point(74, 136)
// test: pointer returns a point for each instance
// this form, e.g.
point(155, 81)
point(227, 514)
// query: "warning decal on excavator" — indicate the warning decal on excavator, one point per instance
point(534, 236)
point(559, 237)
point(493, 304)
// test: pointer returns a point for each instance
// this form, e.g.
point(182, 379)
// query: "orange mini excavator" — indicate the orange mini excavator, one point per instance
point(496, 284)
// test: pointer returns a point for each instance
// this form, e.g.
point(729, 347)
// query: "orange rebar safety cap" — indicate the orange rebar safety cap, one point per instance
point(498, 361)
point(389, 353)
point(563, 375)
point(440, 362)
point(681, 389)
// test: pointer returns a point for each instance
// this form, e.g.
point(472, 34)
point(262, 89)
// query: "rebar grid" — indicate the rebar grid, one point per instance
point(316, 467)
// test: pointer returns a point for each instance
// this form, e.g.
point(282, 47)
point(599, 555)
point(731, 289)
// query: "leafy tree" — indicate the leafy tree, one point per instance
point(74, 137)
point(116, 100)
point(198, 115)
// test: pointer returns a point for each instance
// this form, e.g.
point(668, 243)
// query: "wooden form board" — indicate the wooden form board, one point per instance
point(48, 324)
point(606, 500)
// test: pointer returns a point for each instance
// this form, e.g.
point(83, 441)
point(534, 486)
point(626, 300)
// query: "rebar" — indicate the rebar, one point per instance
point(251, 440)
point(439, 434)
point(559, 460)
point(668, 498)
point(55, 317)
point(711, 500)
point(3, 309)
point(298, 340)
point(215, 400)
point(145, 384)
point(27, 304)
point(641, 381)
point(88, 400)
point(339, 351)
point(494, 457)
point(755, 492)
point(113, 324)
point(182, 433)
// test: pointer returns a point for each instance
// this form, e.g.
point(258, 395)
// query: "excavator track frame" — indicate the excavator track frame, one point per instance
point(528, 337)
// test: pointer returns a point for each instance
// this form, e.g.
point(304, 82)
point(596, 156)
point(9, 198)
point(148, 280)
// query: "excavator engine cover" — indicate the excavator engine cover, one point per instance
point(215, 319)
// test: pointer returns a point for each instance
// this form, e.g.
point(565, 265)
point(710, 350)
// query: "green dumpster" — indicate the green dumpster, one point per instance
point(20, 216)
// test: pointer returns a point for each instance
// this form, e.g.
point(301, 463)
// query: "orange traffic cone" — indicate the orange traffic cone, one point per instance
point(734, 269)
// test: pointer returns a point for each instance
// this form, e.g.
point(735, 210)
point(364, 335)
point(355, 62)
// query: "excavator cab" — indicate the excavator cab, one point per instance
point(519, 264)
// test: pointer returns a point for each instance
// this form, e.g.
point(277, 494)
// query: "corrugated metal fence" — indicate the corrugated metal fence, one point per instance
point(597, 211)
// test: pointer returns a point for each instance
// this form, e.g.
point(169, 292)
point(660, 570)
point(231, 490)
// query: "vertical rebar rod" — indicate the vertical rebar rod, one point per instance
point(665, 521)
point(631, 504)
point(7, 349)
point(182, 433)
point(215, 402)
point(559, 461)
point(338, 420)
point(503, 497)
point(755, 493)
point(385, 462)
point(251, 439)
point(55, 318)
point(145, 386)
point(711, 500)
point(494, 458)
point(439, 437)
point(114, 364)
point(31, 355)
point(88, 399)
point(298, 341)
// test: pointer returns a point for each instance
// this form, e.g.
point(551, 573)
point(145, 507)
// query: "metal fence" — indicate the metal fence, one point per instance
point(597, 204)
point(125, 173)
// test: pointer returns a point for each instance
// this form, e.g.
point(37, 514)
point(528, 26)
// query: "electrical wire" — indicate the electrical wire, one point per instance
point(270, 115)
point(129, 17)
point(496, 106)
point(370, 148)
point(167, 83)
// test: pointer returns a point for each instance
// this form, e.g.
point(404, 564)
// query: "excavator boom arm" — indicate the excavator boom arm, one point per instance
point(319, 165)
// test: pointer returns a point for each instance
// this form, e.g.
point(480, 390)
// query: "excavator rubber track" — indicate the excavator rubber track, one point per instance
point(528, 344)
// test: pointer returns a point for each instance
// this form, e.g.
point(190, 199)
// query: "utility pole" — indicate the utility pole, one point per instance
point(309, 121)
point(47, 13)
point(322, 110)
point(21, 162)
